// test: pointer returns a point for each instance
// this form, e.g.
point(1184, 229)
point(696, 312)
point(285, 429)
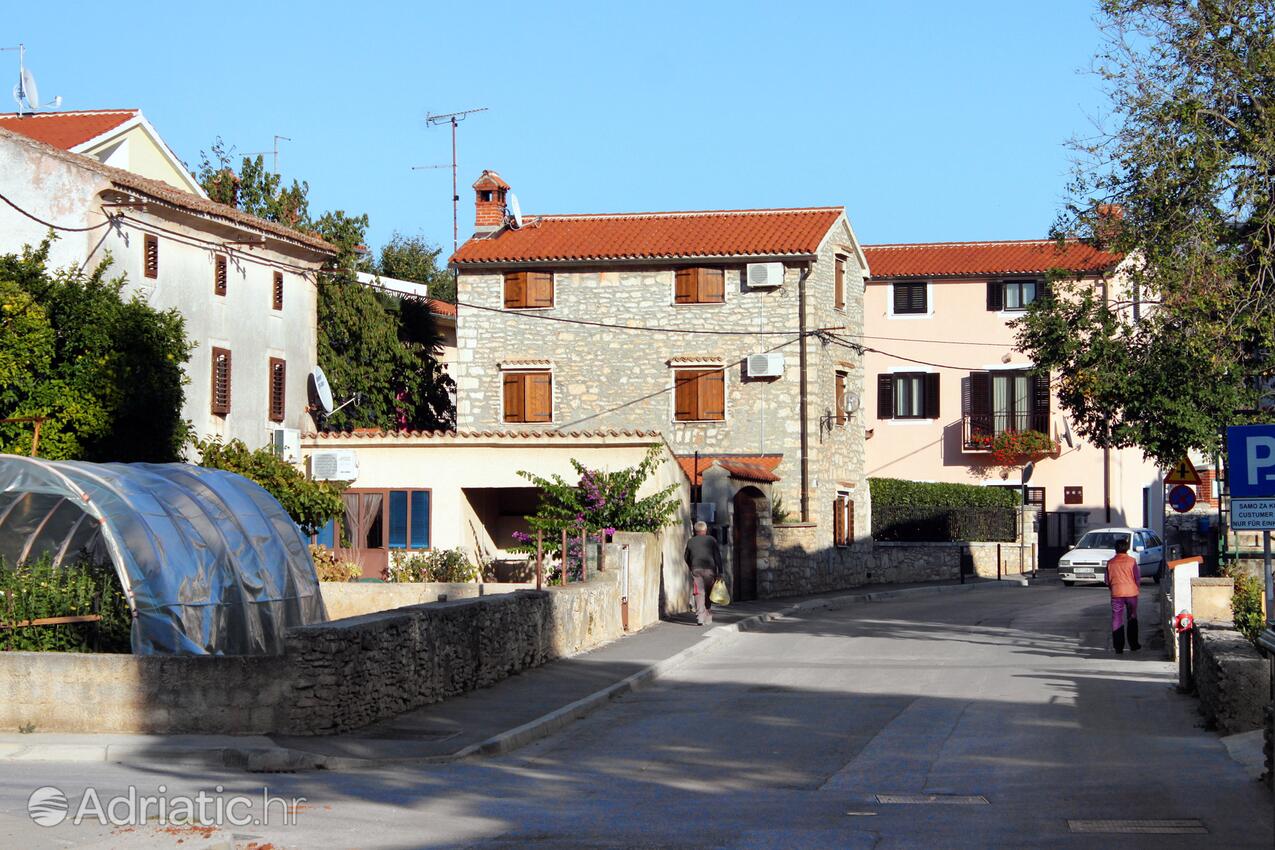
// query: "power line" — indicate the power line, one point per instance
point(589, 323)
point(50, 224)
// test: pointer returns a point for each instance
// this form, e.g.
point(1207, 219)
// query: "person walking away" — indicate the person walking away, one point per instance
point(704, 559)
point(1123, 577)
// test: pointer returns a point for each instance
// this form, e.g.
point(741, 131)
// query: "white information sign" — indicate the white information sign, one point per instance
point(1253, 514)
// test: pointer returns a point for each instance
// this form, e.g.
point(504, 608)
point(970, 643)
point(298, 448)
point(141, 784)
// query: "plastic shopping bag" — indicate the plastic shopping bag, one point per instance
point(720, 595)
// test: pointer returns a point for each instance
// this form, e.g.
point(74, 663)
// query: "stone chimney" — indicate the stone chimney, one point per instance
point(1108, 224)
point(489, 202)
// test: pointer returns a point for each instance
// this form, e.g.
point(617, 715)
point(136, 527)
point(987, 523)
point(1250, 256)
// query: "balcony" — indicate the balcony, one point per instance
point(979, 430)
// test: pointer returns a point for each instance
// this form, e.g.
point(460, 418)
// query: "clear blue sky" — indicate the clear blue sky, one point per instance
point(928, 120)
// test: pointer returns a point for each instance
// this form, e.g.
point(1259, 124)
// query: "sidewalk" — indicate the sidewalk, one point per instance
point(494, 720)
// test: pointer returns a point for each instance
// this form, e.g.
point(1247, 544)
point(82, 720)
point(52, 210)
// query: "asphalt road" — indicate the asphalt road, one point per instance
point(1004, 709)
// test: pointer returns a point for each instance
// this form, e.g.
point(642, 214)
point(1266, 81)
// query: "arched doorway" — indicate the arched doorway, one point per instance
point(748, 503)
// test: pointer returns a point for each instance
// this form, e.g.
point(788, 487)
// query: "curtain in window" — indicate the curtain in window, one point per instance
point(363, 519)
point(1000, 402)
point(1022, 405)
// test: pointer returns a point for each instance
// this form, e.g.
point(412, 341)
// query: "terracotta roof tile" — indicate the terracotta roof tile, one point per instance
point(941, 259)
point(442, 308)
point(371, 433)
point(66, 130)
point(746, 467)
point(654, 236)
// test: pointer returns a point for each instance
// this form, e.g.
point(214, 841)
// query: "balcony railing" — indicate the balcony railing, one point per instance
point(981, 428)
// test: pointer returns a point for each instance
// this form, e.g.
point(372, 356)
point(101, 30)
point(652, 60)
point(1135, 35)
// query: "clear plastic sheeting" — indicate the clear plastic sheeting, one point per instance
point(210, 562)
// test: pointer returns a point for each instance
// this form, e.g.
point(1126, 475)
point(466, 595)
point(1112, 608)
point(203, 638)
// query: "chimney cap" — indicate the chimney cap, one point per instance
point(490, 180)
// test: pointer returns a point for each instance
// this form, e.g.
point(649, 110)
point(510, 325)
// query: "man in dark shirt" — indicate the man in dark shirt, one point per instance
point(704, 559)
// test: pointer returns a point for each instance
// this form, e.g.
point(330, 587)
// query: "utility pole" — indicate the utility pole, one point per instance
point(452, 118)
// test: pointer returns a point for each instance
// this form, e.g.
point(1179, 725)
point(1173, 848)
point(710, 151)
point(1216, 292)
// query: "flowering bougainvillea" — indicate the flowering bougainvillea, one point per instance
point(1010, 448)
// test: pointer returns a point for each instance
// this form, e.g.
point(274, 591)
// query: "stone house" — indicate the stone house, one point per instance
point(246, 287)
point(729, 332)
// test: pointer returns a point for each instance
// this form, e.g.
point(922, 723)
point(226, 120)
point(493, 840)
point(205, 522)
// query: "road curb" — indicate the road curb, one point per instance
point(287, 760)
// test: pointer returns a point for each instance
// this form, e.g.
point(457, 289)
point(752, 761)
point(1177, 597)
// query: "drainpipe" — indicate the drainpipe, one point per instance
point(805, 425)
point(1106, 481)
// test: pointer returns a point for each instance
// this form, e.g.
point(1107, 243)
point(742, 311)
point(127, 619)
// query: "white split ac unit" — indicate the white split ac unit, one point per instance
point(765, 365)
point(287, 444)
point(765, 275)
point(335, 465)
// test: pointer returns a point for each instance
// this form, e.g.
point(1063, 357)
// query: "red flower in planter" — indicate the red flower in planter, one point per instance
point(1009, 448)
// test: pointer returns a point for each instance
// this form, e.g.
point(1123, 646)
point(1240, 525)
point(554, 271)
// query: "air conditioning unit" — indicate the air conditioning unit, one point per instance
point(287, 444)
point(336, 465)
point(765, 365)
point(704, 511)
point(765, 275)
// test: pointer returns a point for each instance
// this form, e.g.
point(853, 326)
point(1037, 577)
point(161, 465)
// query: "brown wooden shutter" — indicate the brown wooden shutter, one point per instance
point(150, 255)
point(841, 398)
point(839, 299)
point(221, 373)
point(932, 395)
point(838, 521)
point(918, 293)
point(277, 291)
point(278, 389)
point(539, 290)
point(685, 394)
point(1040, 403)
point(712, 286)
point(885, 396)
point(981, 403)
point(995, 295)
point(515, 289)
point(712, 394)
point(848, 522)
point(514, 397)
point(539, 397)
point(219, 275)
point(684, 287)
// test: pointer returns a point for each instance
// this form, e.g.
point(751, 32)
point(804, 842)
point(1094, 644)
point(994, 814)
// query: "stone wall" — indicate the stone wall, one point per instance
point(354, 598)
point(334, 677)
point(1231, 677)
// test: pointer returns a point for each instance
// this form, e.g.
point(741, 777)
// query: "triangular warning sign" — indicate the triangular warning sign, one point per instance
point(1183, 472)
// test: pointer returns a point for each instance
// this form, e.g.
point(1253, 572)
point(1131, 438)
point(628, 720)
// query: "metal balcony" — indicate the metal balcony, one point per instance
point(979, 429)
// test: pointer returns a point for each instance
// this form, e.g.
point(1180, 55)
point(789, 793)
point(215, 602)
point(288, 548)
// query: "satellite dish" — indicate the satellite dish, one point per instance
point(1066, 435)
point(515, 210)
point(1027, 471)
point(322, 390)
point(30, 91)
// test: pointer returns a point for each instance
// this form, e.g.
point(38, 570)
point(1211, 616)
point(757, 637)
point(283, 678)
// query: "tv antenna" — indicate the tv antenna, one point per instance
point(26, 92)
point(275, 153)
point(452, 118)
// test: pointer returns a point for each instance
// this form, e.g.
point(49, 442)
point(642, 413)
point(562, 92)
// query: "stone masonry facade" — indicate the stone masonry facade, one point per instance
point(604, 377)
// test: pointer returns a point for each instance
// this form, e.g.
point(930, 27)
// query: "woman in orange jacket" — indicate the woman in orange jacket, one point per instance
point(1123, 577)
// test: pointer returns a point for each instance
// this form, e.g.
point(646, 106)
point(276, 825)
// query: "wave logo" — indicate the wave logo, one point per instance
point(47, 806)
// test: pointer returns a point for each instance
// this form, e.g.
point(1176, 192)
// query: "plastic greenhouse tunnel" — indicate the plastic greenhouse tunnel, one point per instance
point(210, 563)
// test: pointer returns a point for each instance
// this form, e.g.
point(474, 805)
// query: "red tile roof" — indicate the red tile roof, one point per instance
point(359, 433)
point(642, 236)
point(66, 130)
point(746, 467)
point(442, 308)
point(942, 259)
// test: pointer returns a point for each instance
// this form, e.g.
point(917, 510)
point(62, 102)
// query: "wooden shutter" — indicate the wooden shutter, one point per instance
point(848, 522)
point(686, 394)
point(1040, 403)
point(514, 397)
point(981, 403)
point(684, 287)
point(712, 286)
point(150, 255)
point(885, 396)
point(841, 398)
point(515, 289)
point(219, 275)
point(995, 295)
point(538, 395)
point(221, 373)
point(917, 293)
point(277, 291)
point(900, 298)
point(712, 394)
point(839, 293)
point(278, 388)
point(838, 521)
point(539, 289)
point(931, 395)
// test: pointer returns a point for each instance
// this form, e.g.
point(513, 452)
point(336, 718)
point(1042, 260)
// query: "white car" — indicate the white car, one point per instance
point(1087, 561)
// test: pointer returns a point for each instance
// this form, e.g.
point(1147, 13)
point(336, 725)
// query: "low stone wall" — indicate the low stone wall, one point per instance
point(334, 676)
point(1231, 677)
point(355, 598)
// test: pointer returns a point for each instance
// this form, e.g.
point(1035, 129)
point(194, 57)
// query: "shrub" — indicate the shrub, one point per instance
point(778, 513)
point(330, 567)
point(441, 565)
point(1246, 606)
point(925, 512)
point(36, 590)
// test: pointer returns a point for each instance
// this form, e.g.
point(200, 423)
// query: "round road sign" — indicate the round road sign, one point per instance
point(1182, 498)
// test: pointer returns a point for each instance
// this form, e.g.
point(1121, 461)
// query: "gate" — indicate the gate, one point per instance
point(1059, 531)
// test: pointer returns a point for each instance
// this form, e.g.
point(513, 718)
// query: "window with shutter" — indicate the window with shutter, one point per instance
point(995, 296)
point(528, 396)
point(699, 286)
point(278, 389)
point(699, 395)
point(931, 395)
point(150, 256)
point(221, 373)
point(528, 289)
point(839, 291)
point(220, 275)
point(840, 398)
point(885, 396)
point(843, 520)
point(910, 299)
point(277, 291)
point(911, 391)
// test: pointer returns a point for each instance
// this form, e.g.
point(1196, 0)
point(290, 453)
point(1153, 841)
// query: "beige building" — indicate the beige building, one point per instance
point(945, 381)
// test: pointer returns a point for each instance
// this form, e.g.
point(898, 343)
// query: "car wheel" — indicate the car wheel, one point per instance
point(1067, 582)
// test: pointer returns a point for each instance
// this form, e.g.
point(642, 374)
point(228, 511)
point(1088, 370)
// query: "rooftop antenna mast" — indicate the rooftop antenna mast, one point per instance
point(25, 92)
point(452, 118)
point(275, 152)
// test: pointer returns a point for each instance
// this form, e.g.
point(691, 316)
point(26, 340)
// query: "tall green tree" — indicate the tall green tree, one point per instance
point(414, 258)
point(1180, 178)
point(103, 370)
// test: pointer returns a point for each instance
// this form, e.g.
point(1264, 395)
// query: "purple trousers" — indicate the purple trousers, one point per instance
point(1123, 609)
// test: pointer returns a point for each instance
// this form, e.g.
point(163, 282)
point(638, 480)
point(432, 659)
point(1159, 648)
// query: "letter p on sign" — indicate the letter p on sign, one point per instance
point(1251, 454)
point(1260, 453)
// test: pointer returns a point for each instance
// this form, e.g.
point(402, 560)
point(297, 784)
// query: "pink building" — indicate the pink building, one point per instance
point(944, 382)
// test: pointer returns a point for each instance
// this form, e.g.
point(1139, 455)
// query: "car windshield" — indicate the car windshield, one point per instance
point(1102, 539)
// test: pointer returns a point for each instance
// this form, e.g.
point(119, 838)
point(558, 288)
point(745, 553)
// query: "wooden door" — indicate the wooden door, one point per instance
point(744, 573)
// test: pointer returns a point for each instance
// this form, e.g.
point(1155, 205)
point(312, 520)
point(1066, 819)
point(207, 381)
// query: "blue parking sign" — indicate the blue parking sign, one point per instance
point(1250, 450)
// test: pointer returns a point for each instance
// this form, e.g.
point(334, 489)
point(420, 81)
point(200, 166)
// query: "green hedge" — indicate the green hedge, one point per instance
point(914, 511)
point(897, 492)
